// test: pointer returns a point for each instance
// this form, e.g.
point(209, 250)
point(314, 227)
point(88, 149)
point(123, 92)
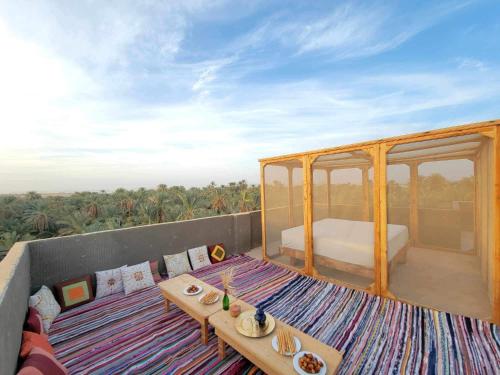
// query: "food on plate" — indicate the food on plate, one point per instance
point(310, 364)
point(192, 289)
point(286, 342)
point(209, 298)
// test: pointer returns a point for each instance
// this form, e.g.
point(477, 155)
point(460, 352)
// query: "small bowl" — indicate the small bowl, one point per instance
point(235, 310)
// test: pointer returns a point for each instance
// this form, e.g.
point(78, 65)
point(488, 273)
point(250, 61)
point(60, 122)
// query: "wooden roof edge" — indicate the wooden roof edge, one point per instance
point(476, 126)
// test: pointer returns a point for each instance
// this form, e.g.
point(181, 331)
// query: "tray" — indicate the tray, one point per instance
point(248, 326)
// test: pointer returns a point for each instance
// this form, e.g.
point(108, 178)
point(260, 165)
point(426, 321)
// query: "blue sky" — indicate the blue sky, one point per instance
point(98, 95)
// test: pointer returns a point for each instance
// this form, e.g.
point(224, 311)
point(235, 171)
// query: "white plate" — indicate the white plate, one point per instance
point(298, 345)
point(203, 295)
point(185, 291)
point(302, 372)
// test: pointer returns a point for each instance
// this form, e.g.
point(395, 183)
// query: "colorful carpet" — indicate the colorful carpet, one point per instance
point(134, 335)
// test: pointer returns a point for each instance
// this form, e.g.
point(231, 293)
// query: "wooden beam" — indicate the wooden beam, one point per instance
point(447, 142)
point(380, 216)
point(308, 206)
point(496, 206)
point(263, 210)
point(378, 225)
point(414, 203)
point(290, 196)
point(366, 194)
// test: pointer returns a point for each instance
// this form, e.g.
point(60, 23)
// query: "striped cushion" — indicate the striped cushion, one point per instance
point(40, 362)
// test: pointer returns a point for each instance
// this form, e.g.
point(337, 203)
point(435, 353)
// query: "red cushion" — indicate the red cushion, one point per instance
point(210, 252)
point(33, 322)
point(40, 362)
point(34, 340)
point(154, 270)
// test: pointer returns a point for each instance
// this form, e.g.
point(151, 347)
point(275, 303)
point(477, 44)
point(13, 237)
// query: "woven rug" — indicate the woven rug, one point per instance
point(134, 334)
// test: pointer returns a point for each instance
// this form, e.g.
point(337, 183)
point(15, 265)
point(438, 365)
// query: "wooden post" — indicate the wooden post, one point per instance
point(496, 206)
point(379, 225)
point(328, 191)
point(290, 196)
point(366, 194)
point(263, 209)
point(414, 203)
point(308, 230)
point(222, 348)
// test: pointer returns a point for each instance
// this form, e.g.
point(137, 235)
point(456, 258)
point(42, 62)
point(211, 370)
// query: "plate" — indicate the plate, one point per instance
point(200, 289)
point(298, 345)
point(246, 324)
point(203, 295)
point(302, 372)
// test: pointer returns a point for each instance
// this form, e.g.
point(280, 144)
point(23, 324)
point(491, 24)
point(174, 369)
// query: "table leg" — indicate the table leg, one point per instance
point(167, 305)
point(222, 348)
point(204, 332)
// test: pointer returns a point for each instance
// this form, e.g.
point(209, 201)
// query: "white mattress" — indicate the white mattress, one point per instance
point(346, 240)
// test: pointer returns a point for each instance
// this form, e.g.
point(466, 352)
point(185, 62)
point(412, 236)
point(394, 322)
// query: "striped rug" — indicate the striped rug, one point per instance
point(134, 335)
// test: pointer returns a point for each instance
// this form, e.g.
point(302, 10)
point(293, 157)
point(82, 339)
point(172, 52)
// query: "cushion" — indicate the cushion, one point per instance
point(33, 321)
point(177, 264)
point(217, 253)
point(74, 292)
point(137, 277)
point(154, 270)
point(199, 257)
point(45, 303)
point(34, 340)
point(40, 362)
point(109, 282)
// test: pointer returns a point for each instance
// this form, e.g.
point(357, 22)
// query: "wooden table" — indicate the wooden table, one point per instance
point(173, 292)
point(259, 350)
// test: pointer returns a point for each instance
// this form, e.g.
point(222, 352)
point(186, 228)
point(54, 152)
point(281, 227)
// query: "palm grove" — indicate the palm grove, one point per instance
point(32, 216)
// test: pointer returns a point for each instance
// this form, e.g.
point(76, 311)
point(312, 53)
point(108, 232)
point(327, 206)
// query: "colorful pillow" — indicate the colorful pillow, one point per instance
point(109, 282)
point(41, 362)
point(33, 321)
point(74, 292)
point(177, 264)
point(154, 270)
point(137, 277)
point(34, 340)
point(198, 257)
point(217, 253)
point(45, 303)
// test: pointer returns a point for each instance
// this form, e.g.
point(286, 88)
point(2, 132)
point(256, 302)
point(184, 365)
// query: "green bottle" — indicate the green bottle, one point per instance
point(225, 301)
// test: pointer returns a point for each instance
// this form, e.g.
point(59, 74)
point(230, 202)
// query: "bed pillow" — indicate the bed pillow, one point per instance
point(74, 292)
point(154, 270)
point(40, 361)
point(34, 340)
point(217, 253)
point(177, 264)
point(45, 303)
point(109, 282)
point(137, 277)
point(33, 321)
point(198, 257)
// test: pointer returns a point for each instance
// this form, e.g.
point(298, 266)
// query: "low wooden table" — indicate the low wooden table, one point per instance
point(259, 350)
point(173, 291)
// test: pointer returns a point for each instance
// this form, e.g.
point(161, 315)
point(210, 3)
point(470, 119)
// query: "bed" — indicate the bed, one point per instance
point(346, 245)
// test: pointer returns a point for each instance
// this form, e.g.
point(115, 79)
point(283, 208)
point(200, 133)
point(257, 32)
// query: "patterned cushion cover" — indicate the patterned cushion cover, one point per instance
point(40, 362)
point(177, 264)
point(33, 321)
point(154, 270)
point(137, 277)
point(34, 340)
point(199, 257)
point(74, 292)
point(45, 303)
point(109, 282)
point(217, 253)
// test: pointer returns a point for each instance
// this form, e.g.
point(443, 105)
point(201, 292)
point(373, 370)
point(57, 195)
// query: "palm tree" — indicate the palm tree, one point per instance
point(245, 202)
point(189, 206)
point(162, 188)
point(38, 217)
point(76, 223)
point(7, 240)
point(218, 199)
point(159, 202)
point(32, 195)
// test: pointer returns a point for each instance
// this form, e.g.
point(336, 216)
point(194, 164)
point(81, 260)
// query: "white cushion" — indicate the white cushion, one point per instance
point(177, 264)
point(45, 303)
point(199, 257)
point(109, 282)
point(137, 277)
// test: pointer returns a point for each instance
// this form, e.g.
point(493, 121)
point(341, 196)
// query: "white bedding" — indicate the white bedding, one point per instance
point(346, 240)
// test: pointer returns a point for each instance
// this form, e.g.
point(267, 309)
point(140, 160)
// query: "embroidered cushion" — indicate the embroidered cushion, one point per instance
point(137, 277)
point(74, 292)
point(109, 282)
point(177, 264)
point(40, 361)
point(199, 257)
point(45, 303)
point(217, 253)
point(154, 270)
point(33, 321)
point(34, 340)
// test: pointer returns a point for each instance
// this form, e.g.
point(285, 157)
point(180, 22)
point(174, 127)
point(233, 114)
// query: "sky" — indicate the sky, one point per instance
point(99, 95)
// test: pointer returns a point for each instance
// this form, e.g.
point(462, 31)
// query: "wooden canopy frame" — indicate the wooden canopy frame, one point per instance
point(380, 153)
